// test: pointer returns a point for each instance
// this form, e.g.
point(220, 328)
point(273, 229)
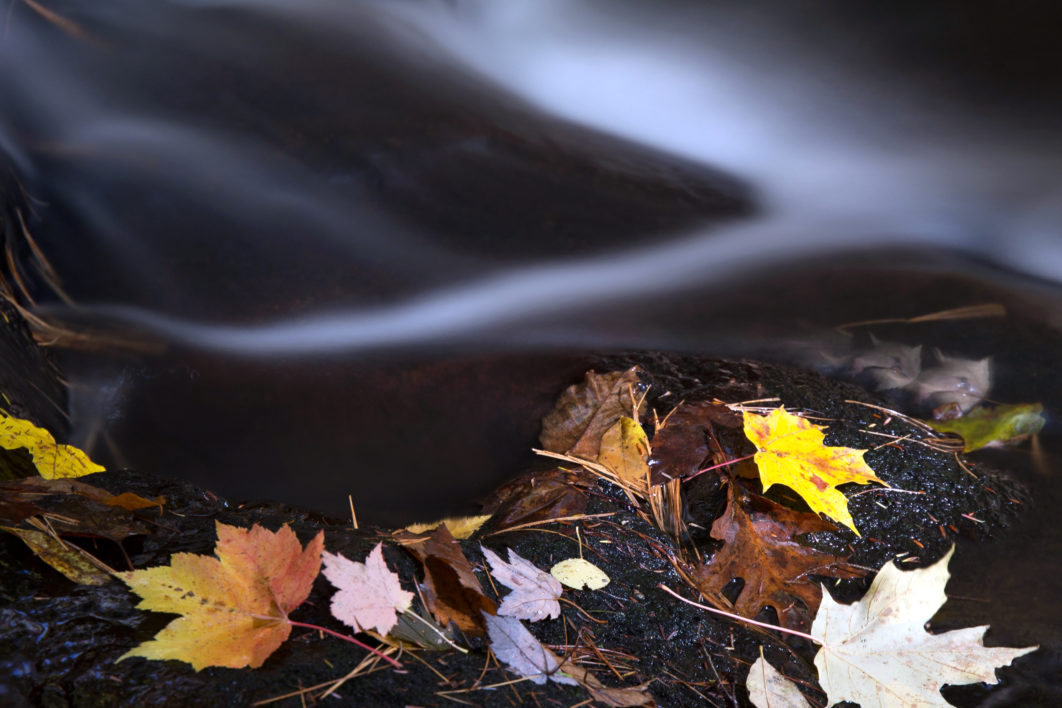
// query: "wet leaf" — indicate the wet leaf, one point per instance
point(234, 608)
point(680, 446)
point(451, 589)
point(134, 502)
point(625, 450)
point(552, 494)
point(534, 592)
point(620, 697)
point(370, 595)
point(525, 656)
point(769, 689)
point(75, 564)
point(460, 527)
point(790, 452)
point(990, 427)
point(760, 546)
point(52, 460)
point(877, 653)
point(73, 507)
point(585, 411)
point(577, 573)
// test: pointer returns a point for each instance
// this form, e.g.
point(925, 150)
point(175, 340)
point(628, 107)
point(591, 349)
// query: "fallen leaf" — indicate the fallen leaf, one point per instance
point(460, 527)
point(577, 573)
point(769, 689)
point(877, 653)
point(525, 656)
point(534, 593)
point(585, 411)
point(760, 546)
point(625, 451)
point(790, 452)
point(76, 564)
point(51, 459)
point(990, 427)
point(134, 502)
point(451, 590)
point(234, 607)
point(73, 508)
point(370, 595)
point(680, 446)
point(537, 496)
point(619, 697)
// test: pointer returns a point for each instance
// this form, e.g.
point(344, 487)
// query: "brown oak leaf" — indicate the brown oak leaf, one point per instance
point(761, 548)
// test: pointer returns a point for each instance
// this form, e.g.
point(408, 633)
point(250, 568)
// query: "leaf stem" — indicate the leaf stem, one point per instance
point(346, 638)
point(739, 617)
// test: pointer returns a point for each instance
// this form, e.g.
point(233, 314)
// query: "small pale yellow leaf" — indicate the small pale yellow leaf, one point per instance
point(578, 574)
point(52, 460)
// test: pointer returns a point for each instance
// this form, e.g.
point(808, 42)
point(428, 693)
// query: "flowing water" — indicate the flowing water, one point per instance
point(377, 238)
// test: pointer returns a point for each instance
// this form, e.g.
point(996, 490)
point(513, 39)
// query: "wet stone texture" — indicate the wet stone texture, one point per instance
point(61, 640)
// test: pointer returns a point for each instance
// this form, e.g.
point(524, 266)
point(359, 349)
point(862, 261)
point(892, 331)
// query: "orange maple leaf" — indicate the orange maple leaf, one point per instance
point(790, 452)
point(235, 607)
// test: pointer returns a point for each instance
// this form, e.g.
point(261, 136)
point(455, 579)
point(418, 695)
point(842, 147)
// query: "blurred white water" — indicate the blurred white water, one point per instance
point(842, 151)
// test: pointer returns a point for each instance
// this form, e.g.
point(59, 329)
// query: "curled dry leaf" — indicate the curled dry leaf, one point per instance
point(877, 653)
point(52, 460)
point(370, 595)
point(585, 411)
point(234, 608)
point(790, 451)
point(451, 588)
point(577, 573)
point(534, 592)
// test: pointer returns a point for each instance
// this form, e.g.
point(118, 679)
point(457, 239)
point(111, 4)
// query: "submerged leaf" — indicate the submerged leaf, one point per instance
point(370, 595)
point(534, 592)
point(877, 653)
point(790, 451)
point(234, 608)
point(51, 459)
point(987, 427)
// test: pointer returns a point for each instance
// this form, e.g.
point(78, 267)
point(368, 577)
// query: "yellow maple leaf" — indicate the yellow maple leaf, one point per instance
point(235, 607)
point(790, 452)
point(52, 460)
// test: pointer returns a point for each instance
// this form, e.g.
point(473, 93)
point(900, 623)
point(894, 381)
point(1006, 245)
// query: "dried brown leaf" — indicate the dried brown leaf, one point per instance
point(585, 411)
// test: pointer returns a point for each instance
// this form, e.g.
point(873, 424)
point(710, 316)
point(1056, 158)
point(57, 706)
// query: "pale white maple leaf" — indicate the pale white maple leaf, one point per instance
point(370, 595)
point(769, 689)
point(877, 653)
point(518, 649)
point(534, 592)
